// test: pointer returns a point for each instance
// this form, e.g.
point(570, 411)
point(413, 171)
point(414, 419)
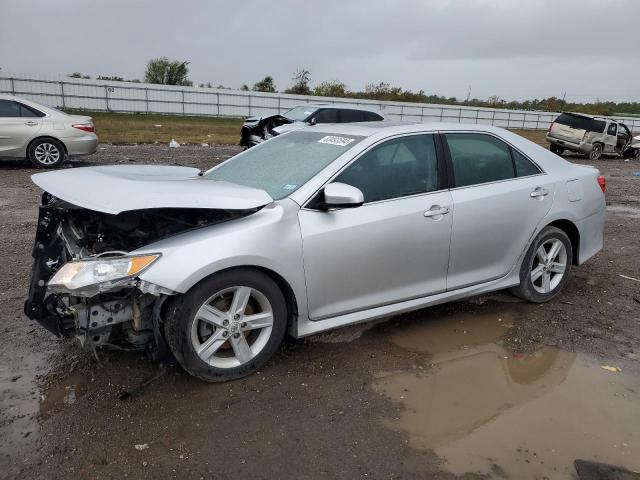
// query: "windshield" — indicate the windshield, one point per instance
point(283, 164)
point(300, 114)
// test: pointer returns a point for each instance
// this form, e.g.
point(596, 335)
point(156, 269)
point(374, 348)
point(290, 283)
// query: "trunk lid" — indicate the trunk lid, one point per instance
point(114, 189)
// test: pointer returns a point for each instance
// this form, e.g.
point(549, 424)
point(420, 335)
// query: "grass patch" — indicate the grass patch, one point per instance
point(143, 128)
point(149, 128)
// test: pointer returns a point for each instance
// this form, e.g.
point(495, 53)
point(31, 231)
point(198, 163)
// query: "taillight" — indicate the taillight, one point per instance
point(603, 183)
point(85, 127)
point(550, 126)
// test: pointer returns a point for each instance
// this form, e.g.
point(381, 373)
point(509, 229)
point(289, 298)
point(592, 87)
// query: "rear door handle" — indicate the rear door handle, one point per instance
point(539, 192)
point(436, 210)
point(31, 124)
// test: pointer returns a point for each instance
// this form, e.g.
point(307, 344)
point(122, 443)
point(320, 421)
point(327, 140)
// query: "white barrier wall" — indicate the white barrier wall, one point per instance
point(98, 95)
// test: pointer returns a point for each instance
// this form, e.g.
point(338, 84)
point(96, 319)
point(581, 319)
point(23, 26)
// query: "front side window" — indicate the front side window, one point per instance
point(300, 114)
point(284, 163)
point(9, 109)
point(479, 158)
point(397, 168)
point(612, 129)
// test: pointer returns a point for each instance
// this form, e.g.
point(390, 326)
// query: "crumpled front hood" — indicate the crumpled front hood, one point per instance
point(115, 189)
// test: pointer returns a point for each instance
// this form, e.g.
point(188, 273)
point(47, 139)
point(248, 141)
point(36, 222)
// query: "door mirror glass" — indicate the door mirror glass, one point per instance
point(341, 195)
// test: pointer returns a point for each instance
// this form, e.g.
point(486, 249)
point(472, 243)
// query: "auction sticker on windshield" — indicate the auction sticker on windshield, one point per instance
point(339, 141)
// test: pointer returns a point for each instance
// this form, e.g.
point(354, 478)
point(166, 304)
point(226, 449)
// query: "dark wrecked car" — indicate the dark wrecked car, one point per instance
point(256, 130)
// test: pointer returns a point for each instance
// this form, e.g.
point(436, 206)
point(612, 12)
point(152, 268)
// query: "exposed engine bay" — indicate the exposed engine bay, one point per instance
point(256, 130)
point(126, 316)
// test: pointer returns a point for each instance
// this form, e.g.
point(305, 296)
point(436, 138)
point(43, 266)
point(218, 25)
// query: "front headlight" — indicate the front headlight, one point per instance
point(92, 276)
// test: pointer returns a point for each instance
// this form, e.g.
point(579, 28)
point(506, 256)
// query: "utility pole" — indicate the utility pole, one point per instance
point(468, 95)
point(564, 95)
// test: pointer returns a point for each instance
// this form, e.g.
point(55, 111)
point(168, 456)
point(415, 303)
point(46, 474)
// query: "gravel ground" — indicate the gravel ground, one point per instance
point(312, 412)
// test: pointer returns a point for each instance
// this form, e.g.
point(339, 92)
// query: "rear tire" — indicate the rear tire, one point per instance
point(228, 325)
point(546, 267)
point(557, 150)
point(46, 153)
point(595, 153)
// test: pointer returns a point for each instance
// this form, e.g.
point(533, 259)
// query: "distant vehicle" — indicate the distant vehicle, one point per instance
point(258, 129)
point(591, 136)
point(315, 229)
point(42, 134)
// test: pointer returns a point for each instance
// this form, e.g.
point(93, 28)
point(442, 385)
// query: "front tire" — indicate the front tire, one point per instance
point(228, 325)
point(546, 267)
point(46, 153)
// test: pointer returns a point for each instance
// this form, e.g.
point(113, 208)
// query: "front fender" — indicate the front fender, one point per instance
point(270, 239)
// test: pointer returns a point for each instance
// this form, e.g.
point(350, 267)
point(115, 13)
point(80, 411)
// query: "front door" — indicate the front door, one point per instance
point(499, 199)
point(395, 247)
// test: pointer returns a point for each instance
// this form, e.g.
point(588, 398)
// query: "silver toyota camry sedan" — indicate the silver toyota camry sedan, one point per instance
point(318, 228)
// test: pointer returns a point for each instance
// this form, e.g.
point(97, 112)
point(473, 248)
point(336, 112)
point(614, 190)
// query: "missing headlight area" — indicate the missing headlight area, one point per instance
point(123, 314)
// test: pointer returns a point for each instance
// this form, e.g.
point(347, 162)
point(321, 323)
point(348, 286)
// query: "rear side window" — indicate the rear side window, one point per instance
point(524, 166)
point(372, 117)
point(582, 123)
point(350, 116)
point(29, 112)
point(479, 158)
point(9, 109)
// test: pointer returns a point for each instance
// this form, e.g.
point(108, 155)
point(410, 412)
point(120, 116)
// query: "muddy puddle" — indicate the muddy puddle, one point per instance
point(485, 410)
point(25, 403)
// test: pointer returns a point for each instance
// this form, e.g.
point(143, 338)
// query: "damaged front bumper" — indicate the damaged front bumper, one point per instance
point(125, 315)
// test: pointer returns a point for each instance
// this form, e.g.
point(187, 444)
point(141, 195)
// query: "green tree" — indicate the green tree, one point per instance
point(166, 72)
point(301, 81)
point(264, 85)
point(331, 88)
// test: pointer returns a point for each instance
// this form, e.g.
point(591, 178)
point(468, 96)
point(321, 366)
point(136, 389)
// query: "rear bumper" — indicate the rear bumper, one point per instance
point(582, 147)
point(591, 235)
point(84, 145)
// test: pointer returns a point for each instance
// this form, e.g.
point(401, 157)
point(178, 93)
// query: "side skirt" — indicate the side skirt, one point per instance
point(305, 327)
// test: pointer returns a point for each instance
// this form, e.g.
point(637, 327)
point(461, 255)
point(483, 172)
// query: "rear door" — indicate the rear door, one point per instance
point(395, 247)
point(18, 125)
point(500, 197)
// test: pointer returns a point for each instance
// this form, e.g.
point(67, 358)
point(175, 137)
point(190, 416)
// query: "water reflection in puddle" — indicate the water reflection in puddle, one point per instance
point(531, 415)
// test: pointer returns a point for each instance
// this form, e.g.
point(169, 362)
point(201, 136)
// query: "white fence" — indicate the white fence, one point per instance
point(98, 95)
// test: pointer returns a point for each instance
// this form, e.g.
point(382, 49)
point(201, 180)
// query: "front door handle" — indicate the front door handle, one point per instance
point(539, 192)
point(436, 210)
point(31, 124)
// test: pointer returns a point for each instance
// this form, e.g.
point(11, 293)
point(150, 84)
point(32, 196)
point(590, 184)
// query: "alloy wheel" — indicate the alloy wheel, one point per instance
point(232, 327)
point(47, 153)
point(549, 266)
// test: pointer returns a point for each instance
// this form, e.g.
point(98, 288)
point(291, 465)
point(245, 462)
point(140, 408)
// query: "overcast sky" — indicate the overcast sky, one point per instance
point(515, 49)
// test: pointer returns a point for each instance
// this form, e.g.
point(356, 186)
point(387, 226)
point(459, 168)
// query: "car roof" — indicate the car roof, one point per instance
point(345, 106)
point(368, 129)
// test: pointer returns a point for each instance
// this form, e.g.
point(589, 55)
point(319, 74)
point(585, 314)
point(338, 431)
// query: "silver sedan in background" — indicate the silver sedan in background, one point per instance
point(317, 228)
point(42, 134)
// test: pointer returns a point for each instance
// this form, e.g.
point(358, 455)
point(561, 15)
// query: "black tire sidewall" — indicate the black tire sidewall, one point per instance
point(34, 145)
point(526, 289)
point(182, 310)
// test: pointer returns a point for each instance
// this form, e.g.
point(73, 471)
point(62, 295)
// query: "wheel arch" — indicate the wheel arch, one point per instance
point(570, 228)
point(279, 280)
point(47, 137)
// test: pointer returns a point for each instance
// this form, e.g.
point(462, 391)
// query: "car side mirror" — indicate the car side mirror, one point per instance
point(313, 121)
point(341, 195)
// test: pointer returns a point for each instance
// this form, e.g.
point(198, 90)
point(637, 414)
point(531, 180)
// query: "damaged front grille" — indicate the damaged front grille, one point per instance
point(122, 318)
